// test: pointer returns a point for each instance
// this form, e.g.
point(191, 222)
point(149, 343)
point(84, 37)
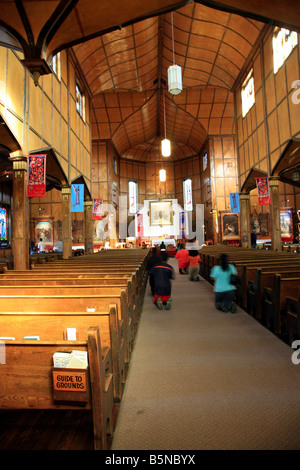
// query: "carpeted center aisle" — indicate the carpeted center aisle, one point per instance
point(205, 380)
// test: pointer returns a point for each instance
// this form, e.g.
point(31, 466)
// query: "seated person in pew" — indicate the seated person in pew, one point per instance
point(224, 290)
point(162, 274)
point(41, 246)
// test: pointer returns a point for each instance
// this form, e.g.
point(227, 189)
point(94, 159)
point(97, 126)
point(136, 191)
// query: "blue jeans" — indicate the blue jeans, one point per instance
point(224, 299)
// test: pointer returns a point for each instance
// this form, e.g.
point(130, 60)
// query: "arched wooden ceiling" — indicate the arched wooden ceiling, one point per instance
point(126, 71)
point(124, 49)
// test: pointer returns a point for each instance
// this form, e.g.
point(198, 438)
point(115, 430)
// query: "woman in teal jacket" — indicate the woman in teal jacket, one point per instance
point(224, 290)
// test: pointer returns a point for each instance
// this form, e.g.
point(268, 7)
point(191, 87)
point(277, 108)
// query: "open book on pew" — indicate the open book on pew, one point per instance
point(73, 360)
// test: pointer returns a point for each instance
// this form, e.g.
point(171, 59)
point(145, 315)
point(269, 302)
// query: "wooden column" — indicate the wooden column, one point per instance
point(216, 228)
point(66, 222)
point(88, 228)
point(20, 228)
point(275, 214)
point(245, 220)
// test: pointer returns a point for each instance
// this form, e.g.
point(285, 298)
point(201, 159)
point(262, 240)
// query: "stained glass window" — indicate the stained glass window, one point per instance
point(284, 42)
point(205, 160)
point(80, 101)
point(187, 195)
point(248, 97)
point(132, 187)
point(3, 225)
point(56, 65)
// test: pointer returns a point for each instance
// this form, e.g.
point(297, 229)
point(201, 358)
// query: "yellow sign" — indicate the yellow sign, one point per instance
point(68, 381)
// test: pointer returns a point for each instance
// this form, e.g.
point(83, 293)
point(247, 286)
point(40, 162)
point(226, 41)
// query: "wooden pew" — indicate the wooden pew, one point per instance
point(274, 302)
point(243, 262)
point(27, 278)
point(259, 279)
point(239, 256)
point(246, 273)
point(26, 380)
point(102, 296)
point(141, 278)
point(293, 317)
point(107, 320)
point(68, 280)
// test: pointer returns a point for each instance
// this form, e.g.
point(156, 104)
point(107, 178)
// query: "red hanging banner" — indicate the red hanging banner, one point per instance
point(263, 191)
point(140, 226)
point(36, 175)
point(97, 209)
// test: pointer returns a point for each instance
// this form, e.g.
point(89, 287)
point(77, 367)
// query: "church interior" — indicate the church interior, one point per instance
point(90, 95)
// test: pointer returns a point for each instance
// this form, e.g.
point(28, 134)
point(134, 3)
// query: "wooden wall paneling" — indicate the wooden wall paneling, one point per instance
point(280, 84)
point(15, 84)
point(270, 94)
point(142, 188)
point(253, 149)
point(268, 54)
point(103, 169)
point(220, 202)
point(3, 68)
point(46, 84)
point(178, 186)
point(47, 119)
point(196, 166)
point(245, 129)
point(136, 171)
point(196, 181)
point(129, 170)
point(64, 138)
point(284, 122)
point(257, 70)
point(251, 155)
point(273, 131)
point(123, 185)
point(142, 172)
point(56, 92)
point(246, 156)
point(170, 188)
point(56, 123)
point(241, 159)
point(259, 107)
point(35, 108)
point(262, 147)
point(64, 100)
point(33, 140)
point(123, 169)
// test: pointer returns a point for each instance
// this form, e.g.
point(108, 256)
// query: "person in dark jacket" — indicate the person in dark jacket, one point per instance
point(152, 261)
point(162, 246)
point(162, 274)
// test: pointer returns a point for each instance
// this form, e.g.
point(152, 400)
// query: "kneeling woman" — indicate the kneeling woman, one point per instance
point(224, 290)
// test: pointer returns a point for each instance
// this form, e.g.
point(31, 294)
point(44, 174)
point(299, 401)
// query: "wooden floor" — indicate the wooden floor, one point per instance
point(47, 430)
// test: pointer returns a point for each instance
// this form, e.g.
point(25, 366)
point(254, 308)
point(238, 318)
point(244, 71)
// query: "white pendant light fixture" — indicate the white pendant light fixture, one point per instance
point(174, 71)
point(165, 148)
point(165, 143)
point(162, 175)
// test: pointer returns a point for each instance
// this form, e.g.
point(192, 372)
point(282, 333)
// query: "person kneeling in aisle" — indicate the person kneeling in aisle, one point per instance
point(194, 260)
point(162, 274)
point(224, 290)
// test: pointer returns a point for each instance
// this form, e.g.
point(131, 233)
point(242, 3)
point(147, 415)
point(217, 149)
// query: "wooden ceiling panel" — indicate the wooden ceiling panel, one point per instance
point(237, 42)
point(244, 26)
point(124, 53)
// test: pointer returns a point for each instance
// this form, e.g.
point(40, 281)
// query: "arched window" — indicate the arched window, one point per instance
point(248, 97)
point(187, 195)
point(132, 190)
point(284, 42)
